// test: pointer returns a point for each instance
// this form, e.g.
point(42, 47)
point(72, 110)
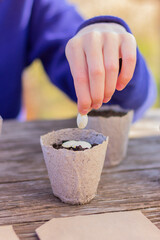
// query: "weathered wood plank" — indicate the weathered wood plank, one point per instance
point(26, 199)
point(20, 149)
point(33, 200)
point(21, 164)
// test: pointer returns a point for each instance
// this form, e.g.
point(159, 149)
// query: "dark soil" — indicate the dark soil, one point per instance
point(78, 148)
point(106, 113)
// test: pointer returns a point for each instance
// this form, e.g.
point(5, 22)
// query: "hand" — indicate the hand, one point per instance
point(93, 55)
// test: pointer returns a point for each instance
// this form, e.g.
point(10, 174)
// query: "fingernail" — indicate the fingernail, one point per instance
point(96, 106)
point(120, 86)
point(105, 100)
point(84, 111)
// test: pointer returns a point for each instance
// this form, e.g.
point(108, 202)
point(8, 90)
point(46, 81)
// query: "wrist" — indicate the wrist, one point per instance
point(103, 27)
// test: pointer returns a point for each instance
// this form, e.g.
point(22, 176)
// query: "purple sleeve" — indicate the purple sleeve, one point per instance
point(53, 23)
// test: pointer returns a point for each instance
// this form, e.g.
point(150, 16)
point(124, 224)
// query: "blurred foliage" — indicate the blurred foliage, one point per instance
point(43, 100)
point(149, 49)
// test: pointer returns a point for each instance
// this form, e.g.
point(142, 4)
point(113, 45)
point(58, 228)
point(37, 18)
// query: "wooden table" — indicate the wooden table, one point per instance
point(26, 199)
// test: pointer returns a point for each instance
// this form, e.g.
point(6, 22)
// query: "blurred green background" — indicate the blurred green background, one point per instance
point(44, 101)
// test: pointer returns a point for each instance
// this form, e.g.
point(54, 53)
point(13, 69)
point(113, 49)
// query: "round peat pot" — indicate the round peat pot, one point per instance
point(114, 122)
point(74, 175)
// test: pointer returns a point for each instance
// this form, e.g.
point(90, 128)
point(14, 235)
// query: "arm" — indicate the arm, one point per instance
point(53, 23)
point(134, 87)
point(140, 93)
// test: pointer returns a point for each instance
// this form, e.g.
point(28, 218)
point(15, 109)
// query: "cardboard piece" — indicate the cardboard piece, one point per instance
point(117, 128)
point(1, 120)
point(74, 175)
point(112, 226)
point(7, 233)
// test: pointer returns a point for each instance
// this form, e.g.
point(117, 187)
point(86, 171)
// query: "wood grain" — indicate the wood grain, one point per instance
point(26, 198)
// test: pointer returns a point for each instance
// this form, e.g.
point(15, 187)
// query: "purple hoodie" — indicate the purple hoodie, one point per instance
point(31, 29)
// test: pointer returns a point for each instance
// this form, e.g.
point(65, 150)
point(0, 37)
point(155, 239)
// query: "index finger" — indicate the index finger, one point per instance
point(77, 61)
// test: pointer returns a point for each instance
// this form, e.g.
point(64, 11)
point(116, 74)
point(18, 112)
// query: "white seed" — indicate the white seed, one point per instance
point(83, 144)
point(82, 121)
point(68, 144)
point(75, 144)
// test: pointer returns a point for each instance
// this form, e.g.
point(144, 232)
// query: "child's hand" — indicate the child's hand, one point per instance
point(93, 55)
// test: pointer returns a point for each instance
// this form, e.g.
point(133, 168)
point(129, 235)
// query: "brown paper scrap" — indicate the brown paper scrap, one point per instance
point(7, 233)
point(131, 225)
